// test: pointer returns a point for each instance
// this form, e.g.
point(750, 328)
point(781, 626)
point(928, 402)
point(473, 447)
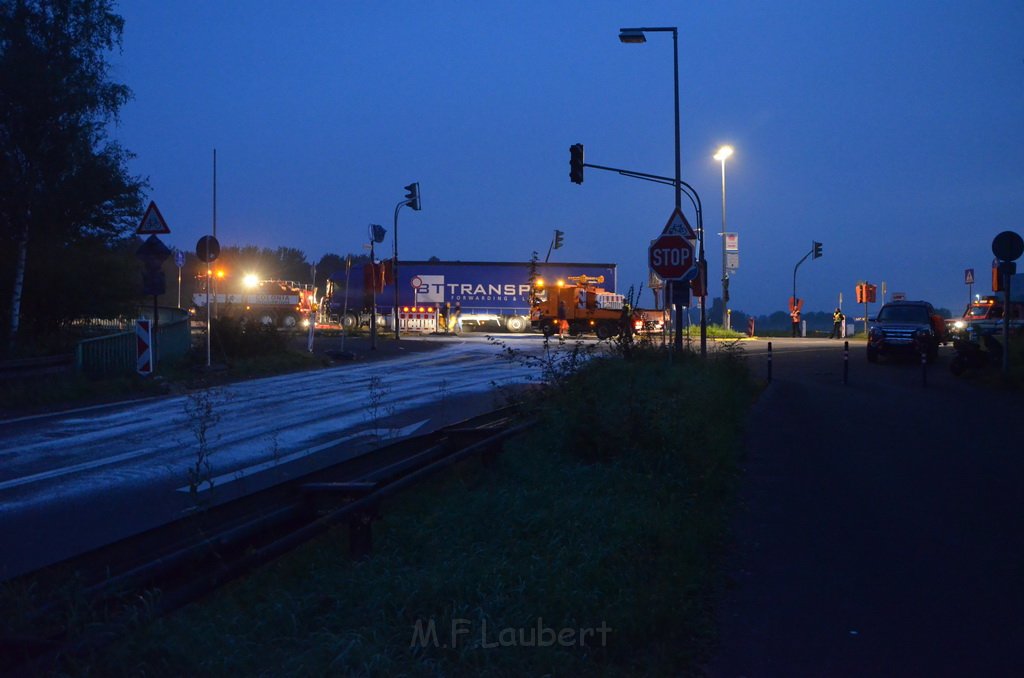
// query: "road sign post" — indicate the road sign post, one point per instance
point(671, 258)
point(1008, 246)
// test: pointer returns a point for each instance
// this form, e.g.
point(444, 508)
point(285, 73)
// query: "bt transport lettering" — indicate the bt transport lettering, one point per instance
point(439, 292)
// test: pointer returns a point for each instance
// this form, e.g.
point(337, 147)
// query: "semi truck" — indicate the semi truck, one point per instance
point(492, 295)
point(279, 303)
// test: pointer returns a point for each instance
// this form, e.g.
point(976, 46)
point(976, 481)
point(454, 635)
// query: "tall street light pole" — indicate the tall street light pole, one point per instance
point(723, 153)
point(638, 36)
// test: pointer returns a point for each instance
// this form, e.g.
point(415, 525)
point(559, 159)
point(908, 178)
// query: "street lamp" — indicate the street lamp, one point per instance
point(723, 153)
point(638, 36)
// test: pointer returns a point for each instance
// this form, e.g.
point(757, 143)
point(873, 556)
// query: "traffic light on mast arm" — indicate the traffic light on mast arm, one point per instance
point(559, 237)
point(816, 249)
point(412, 197)
point(576, 163)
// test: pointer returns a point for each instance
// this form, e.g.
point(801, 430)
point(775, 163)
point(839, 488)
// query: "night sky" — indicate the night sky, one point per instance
point(890, 132)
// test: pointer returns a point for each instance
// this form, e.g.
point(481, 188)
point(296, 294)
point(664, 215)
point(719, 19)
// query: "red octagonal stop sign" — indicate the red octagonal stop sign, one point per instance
point(671, 257)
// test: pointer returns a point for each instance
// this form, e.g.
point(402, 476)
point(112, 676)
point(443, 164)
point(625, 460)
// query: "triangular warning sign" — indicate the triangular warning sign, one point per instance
point(153, 222)
point(677, 223)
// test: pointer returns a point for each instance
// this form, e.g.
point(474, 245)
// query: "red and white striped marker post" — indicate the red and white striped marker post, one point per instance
point(143, 347)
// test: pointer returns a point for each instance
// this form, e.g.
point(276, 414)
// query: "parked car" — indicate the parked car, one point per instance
point(907, 327)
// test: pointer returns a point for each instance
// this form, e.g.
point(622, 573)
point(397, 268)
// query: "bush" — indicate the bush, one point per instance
point(234, 338)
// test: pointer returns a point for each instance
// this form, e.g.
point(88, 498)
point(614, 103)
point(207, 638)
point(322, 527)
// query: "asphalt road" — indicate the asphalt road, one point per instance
point(76, 479)
point(881, 531)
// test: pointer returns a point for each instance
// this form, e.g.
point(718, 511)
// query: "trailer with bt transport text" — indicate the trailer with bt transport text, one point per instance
point(493, 295)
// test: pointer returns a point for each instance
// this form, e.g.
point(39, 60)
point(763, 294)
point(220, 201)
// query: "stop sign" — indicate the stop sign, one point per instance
point(671, 257)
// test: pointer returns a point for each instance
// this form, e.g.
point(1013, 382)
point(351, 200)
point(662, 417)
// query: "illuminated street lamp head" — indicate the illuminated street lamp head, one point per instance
point(723, 153)
point(632, 36)
point(250, 280)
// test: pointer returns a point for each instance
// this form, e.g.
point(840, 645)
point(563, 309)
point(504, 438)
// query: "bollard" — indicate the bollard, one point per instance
point(846, 363)
point(769, 362)
point(924, 368)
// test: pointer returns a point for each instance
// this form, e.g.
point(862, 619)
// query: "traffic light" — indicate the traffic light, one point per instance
point(412, 197)
point(559, 237)
point(576, 163)
point(816, 249)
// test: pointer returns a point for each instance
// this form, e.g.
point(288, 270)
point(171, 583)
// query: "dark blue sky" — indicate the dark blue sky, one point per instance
point(891, 132)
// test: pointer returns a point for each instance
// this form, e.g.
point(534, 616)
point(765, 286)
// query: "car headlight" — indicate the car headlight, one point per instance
point(959, 324)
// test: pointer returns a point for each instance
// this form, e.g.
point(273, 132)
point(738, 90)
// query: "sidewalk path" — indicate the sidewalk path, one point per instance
point(881, 531)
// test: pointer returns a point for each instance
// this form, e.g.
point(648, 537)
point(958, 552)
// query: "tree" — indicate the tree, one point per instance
point(64, 184)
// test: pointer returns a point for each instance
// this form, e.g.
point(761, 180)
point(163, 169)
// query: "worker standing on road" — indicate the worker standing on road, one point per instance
point(837, 324)
point(457, 317)
point(562, 324)
point(446, 313)
point(795, 315)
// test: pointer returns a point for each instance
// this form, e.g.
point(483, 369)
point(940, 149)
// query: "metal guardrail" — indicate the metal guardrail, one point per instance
point(116, 353)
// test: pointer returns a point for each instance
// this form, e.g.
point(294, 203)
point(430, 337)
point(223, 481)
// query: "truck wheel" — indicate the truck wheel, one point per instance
point(603, 332)
point(349, 321)
point(872, 355)
point(289, 321)
point(516, 323)
point(267, 319)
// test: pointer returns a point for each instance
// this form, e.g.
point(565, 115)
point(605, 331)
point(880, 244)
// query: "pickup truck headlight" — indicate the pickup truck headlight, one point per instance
point(959, 324)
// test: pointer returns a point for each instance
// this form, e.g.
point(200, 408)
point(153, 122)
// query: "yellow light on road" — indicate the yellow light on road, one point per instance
point(250, 280)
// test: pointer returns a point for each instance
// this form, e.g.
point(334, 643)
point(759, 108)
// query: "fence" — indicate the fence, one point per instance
point(116, 353)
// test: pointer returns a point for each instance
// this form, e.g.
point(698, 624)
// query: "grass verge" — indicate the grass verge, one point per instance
point(592, 546)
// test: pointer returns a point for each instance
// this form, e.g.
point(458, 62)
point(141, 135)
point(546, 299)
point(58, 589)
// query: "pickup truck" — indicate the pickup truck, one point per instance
point(907, 327)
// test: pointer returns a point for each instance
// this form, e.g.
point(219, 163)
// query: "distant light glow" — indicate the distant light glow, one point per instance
point(250, 280)
point(723, 153)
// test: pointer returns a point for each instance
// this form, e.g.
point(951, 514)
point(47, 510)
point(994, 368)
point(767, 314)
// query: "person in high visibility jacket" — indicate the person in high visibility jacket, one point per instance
point(837, 325)
point(795, 317)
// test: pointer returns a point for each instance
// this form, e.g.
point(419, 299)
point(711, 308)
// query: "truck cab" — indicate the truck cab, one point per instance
point(985, 315)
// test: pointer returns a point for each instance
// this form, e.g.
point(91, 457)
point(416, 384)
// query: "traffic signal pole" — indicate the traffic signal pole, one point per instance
point(412, 199)
point(694, 197)
point(816, 251)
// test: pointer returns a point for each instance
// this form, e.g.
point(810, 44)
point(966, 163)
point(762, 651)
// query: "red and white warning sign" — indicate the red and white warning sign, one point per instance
point(417, 319)
point(152, 222)
point(143, 347)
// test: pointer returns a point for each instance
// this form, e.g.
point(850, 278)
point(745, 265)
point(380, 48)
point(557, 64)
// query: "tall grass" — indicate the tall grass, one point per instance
point(609, 515)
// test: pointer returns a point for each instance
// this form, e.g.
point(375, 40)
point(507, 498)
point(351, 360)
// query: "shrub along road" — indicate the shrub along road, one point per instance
point(881, 530)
